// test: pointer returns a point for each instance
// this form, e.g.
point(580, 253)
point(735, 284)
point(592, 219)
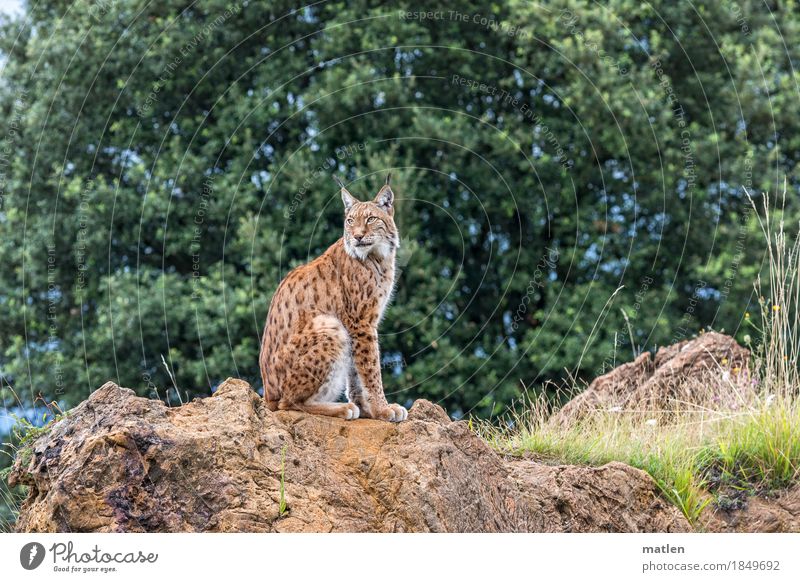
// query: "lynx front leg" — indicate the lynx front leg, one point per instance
point(365, 387)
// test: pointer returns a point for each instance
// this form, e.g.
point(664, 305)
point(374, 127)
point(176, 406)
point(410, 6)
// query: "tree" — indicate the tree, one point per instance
point(169, 162)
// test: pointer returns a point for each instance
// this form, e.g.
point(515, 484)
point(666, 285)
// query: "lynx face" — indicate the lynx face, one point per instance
point(369, 226)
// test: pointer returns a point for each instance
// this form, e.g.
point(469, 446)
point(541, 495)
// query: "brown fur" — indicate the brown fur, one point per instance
point(321, 336)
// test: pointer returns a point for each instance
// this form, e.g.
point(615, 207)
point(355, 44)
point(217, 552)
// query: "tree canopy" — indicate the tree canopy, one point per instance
point(560, 168)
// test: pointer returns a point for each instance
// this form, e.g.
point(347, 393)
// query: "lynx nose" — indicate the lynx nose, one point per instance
point(358, 237)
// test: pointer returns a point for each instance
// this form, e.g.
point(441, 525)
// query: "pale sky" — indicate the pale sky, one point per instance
point(10, 6)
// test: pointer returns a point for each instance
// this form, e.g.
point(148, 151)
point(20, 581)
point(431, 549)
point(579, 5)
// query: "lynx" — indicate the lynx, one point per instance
point(321, 336)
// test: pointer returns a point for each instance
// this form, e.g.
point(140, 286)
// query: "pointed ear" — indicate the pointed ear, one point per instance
point(385, 199)
point(347, 198)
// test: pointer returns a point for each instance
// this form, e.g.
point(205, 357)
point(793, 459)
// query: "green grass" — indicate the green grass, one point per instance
point(24, 433)
point(762, 450)
point(10, 500)
point(694, 456)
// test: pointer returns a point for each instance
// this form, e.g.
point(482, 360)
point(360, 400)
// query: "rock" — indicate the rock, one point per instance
point(123, 463)
point(778, 514)
point(683, 372)
point(612, 498)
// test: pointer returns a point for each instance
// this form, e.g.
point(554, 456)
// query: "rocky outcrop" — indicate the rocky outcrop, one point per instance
point(612, 498)
point(779, 513)
point(122, 463)
point(684, 372)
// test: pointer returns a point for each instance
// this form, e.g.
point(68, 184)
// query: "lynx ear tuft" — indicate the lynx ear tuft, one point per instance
point(388, 178)
point(347, 198)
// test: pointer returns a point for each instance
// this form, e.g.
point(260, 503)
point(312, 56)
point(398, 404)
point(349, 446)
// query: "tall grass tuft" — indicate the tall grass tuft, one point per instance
point(779, 301)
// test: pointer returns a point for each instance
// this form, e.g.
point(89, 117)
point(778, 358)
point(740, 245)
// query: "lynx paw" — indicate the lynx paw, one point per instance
point(393, 413)
point(352, 412)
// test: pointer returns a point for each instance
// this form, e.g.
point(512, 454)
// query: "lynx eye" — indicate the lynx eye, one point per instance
point(350, 222)
point(372, 219)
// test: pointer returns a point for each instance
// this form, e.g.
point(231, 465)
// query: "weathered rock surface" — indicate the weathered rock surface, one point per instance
point(123, 463)
point(779, 514)
point(683, 371)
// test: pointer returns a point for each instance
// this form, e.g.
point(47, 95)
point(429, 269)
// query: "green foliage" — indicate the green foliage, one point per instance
point(25, 433)
point(170, 164)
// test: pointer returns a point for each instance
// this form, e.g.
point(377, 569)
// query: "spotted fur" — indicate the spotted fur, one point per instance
point(321, 336)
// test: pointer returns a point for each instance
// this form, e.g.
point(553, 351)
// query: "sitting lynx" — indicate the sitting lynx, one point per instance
point(321, 335)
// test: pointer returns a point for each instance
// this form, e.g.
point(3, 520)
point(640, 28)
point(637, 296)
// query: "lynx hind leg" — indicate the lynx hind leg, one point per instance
point(355, 391)
point(317, 375)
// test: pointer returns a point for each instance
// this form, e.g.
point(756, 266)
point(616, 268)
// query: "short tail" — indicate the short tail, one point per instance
point(271, 393)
